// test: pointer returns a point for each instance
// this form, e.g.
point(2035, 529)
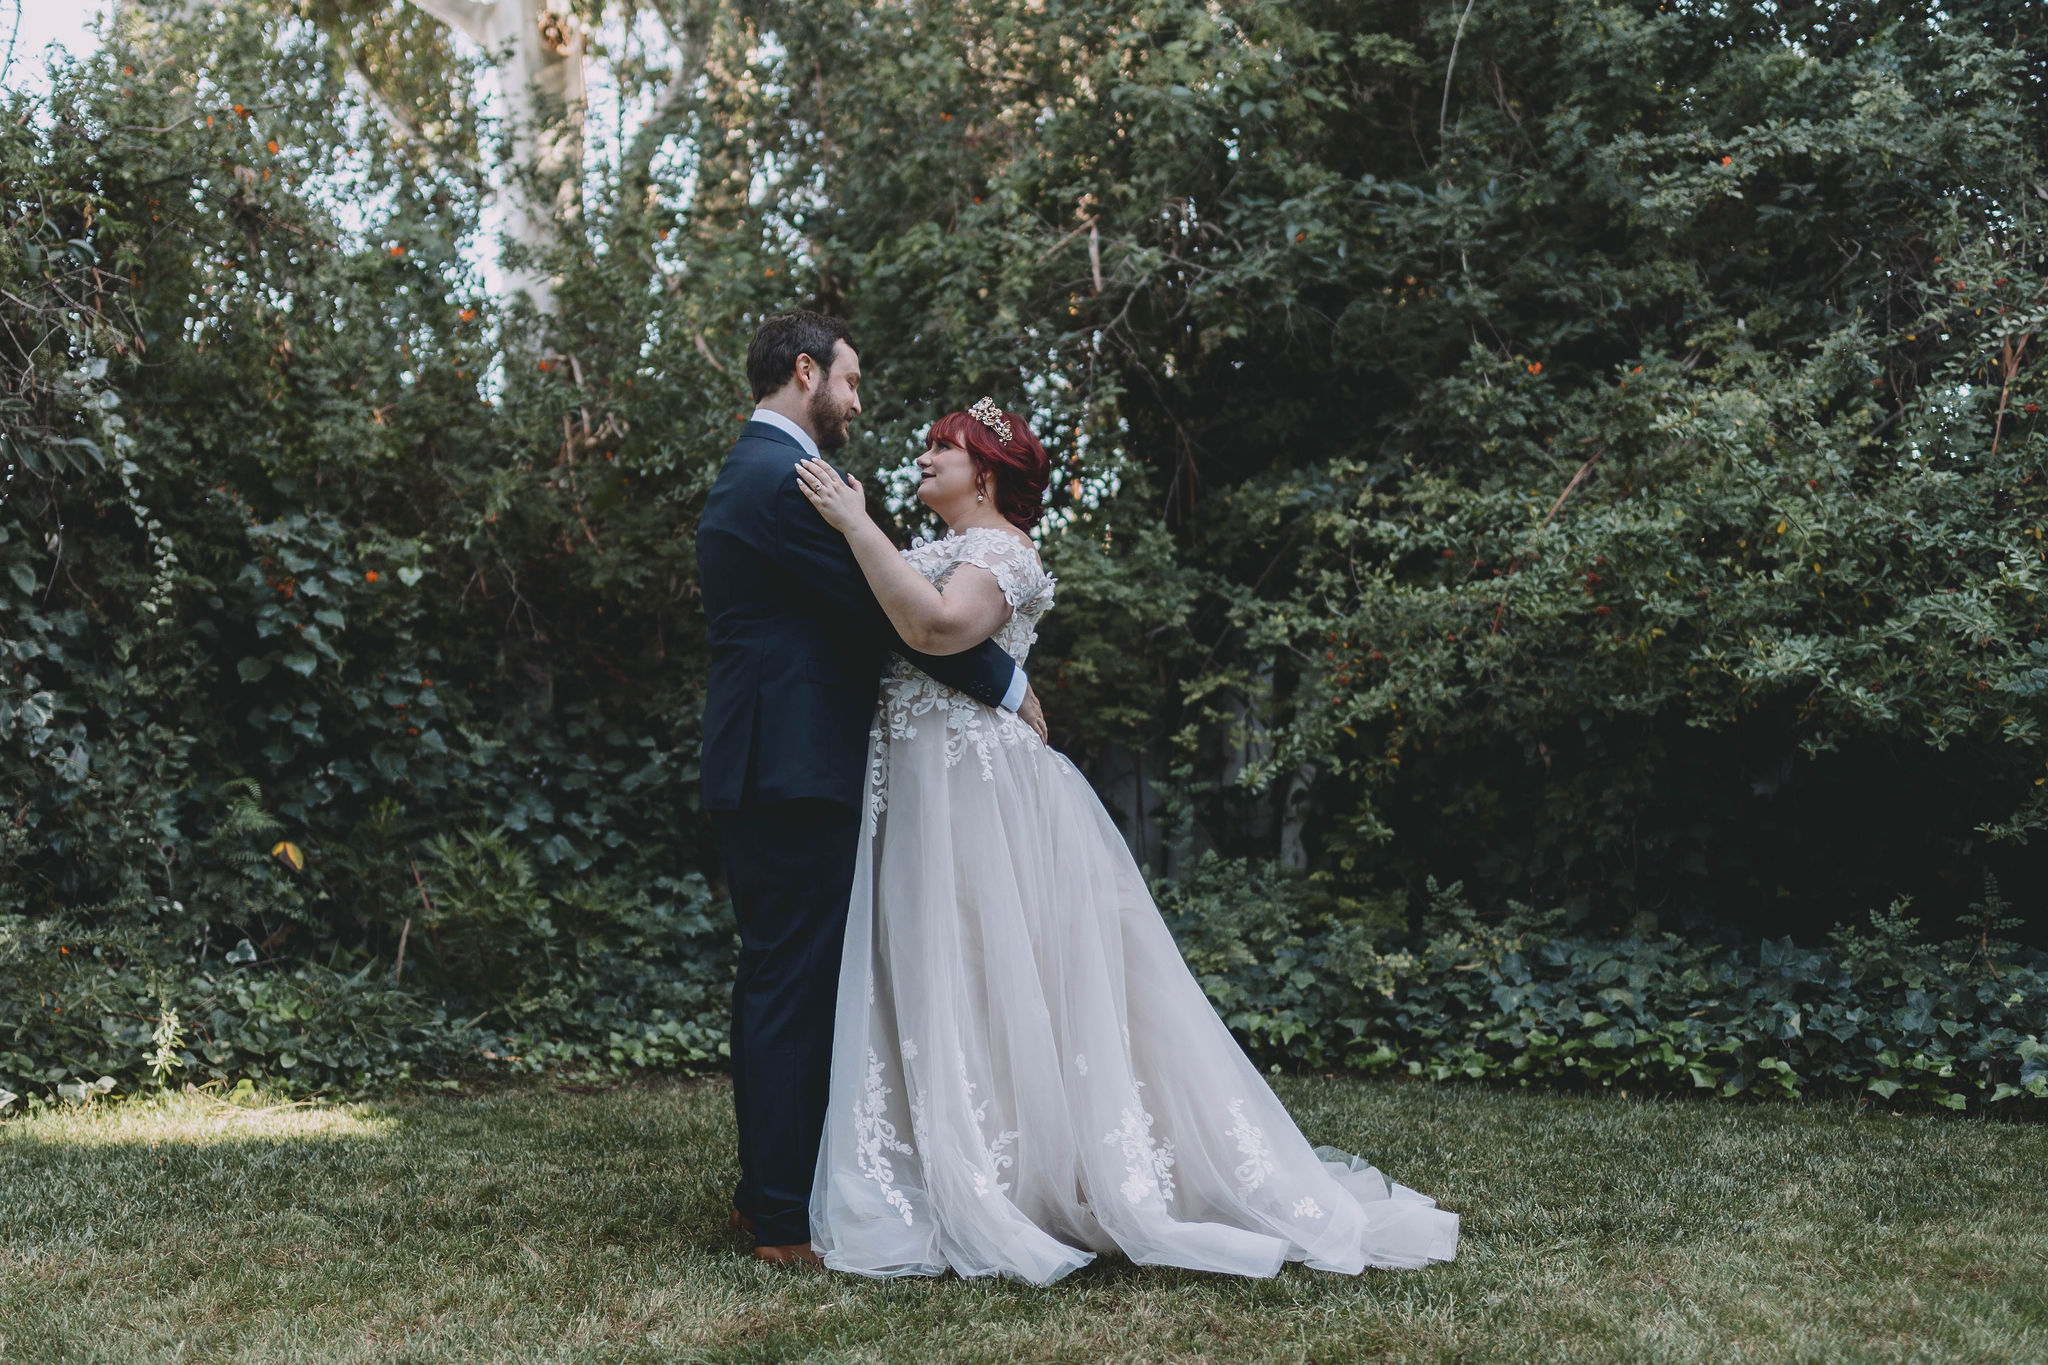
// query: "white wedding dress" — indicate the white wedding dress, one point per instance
point(1024, 1072)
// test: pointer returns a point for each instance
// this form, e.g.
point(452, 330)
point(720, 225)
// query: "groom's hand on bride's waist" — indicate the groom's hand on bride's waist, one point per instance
point(1033, 715)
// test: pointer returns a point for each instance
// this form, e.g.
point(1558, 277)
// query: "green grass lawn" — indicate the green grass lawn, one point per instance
point(544, 1225)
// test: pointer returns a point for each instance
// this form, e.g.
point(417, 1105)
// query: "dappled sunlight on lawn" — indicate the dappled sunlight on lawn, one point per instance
point(198, 1120)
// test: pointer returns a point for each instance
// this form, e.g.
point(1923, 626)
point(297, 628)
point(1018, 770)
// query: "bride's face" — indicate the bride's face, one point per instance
point(946, 480)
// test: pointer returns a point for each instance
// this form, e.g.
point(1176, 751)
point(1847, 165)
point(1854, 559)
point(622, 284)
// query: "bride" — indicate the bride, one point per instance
point(1024, 1072)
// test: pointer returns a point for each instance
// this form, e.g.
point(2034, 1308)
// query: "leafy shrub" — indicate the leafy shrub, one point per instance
point(275, 575)
point(1879, 1011)
point(619, 980)
point(74, 1009)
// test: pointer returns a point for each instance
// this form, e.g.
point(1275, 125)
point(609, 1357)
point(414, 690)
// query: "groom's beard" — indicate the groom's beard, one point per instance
point(831, 423)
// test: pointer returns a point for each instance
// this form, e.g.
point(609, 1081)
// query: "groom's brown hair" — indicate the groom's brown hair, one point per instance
point(771, 359)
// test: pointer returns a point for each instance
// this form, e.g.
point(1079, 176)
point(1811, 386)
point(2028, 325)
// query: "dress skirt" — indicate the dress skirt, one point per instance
point(1024, 1072)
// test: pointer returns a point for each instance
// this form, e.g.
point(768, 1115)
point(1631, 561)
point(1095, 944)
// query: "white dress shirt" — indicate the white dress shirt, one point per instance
point(783, 424)
point(1019, 684)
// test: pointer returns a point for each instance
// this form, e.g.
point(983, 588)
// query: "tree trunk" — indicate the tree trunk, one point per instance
point(536, 50)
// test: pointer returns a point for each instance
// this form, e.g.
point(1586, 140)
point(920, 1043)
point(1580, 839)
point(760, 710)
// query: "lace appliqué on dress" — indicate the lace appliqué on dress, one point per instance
point(878, 778)
point(1251, 1145)
point(995, 1155)
point(1026, 586)
point(909, 696)
point(1148, 1164)
point(875, 1137)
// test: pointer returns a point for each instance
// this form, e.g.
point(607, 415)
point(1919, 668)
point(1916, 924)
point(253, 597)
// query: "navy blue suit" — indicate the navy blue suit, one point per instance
point(798, 643)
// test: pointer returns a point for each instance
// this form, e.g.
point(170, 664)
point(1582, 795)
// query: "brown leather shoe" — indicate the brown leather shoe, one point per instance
point(735, 1221)
point(798, 1254)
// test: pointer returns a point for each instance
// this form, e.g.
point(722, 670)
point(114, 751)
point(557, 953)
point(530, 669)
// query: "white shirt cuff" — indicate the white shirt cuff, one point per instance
point(1019, 685)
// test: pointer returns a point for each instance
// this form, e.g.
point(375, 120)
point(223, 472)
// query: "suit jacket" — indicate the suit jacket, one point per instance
point(797, 639)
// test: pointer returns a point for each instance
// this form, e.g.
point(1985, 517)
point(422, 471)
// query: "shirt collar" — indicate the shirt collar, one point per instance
point(783, 424)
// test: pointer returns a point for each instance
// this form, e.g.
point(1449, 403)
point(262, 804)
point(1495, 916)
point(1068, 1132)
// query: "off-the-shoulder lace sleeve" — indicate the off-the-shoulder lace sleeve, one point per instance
point(1013, 562)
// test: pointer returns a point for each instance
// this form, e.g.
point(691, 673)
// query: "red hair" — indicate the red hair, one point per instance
point(1016, 471)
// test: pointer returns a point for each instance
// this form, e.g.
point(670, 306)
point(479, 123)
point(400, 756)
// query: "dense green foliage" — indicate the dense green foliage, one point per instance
point(1605, 469)
point(1590, 452)
point(1879, 1011)
point(275, 571)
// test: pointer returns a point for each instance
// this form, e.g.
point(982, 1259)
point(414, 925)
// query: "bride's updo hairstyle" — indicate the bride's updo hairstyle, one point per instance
point(1016, 471)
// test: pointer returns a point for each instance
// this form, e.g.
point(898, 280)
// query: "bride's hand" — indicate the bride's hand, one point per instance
point(1033, 715)
point(839, 500)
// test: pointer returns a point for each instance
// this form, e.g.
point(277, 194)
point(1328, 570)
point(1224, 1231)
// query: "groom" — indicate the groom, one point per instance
point(798, 643)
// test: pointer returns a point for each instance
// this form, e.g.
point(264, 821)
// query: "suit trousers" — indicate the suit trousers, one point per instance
point(789, 870)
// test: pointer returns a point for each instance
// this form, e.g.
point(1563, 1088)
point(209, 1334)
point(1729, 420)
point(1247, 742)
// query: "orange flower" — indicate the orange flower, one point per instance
point(398, 251)
point(467, 314)
point(1726, 159)
point(948, 118)
point(273, 146)
point(370, 577)
point(240, 110)
point(1535, 367)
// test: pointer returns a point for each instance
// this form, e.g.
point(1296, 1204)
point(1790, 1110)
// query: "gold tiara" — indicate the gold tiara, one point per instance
point(989, 415)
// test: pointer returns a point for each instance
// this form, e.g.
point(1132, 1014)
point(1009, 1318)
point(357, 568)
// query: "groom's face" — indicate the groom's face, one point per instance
point(835, 399)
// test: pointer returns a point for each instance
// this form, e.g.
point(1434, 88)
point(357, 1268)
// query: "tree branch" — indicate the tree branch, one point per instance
point(471, 16)
point(396, 116)
point(1449, 67)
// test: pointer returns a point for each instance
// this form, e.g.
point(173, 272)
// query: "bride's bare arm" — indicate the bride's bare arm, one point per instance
point(972, 607)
